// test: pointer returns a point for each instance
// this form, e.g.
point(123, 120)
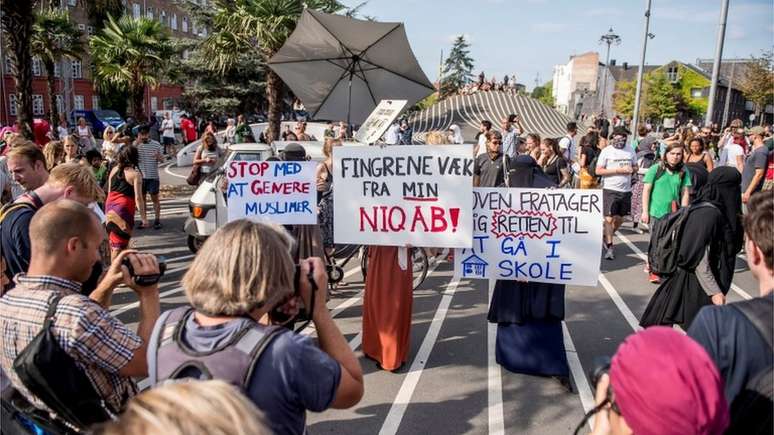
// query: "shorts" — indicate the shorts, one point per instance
point(616, 203)
point(168, 140)
point(150, 185)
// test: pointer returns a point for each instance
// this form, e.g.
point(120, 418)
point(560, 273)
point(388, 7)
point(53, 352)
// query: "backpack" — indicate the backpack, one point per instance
point(592, 167)
point(232, 362)
point(665, 239)
point(53, 376)
point(645, 159)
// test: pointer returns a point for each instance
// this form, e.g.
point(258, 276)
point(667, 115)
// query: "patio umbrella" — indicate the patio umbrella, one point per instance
point(339, 66)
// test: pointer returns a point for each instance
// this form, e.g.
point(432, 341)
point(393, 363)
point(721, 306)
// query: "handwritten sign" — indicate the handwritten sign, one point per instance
point(403, 195)
point(279, 192)
point(541, 235)
point(379, 120)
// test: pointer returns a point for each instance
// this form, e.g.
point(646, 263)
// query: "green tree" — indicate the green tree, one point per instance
point(662, 98)
point(544, 93)
point(54, 36)
point(99, 11)
point(623, 98)
point(757, 84)
point(17, 19)
point(457, 68)
point(130, 55)
point(256, 27)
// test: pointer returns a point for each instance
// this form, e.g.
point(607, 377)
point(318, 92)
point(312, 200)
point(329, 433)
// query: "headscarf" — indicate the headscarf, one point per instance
point(723, 189)
point(665, 384)
point(456, 134)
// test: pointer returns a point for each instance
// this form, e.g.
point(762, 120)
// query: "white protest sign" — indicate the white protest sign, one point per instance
point(279, 192)
point(540, 235)
point(379, 120)
point(403, 195)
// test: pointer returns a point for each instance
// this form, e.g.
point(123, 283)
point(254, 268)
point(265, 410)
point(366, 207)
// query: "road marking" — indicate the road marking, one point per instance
point(356, 340)
point(403, 398)
point(644, 257)
point(494, 376)
point(631, 319)
point(576, 368)
point(166, 169)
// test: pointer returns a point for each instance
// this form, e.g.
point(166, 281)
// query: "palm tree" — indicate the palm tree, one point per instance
point(130, 55)
point(54, 36)
point(17, 19)
point(259, 26)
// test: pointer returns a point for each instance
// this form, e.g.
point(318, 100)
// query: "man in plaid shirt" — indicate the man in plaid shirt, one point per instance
point(65, 238)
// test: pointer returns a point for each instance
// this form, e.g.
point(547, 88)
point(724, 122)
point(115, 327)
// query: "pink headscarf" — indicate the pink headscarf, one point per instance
point(665, 384)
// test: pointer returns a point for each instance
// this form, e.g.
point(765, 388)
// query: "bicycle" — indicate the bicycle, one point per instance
point(419, 263)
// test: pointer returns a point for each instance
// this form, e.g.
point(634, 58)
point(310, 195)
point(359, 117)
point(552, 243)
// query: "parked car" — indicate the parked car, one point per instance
point(98, 120)
point(207, 205)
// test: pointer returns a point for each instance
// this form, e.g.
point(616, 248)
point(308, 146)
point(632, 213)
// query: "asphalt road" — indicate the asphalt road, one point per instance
point(451, 383)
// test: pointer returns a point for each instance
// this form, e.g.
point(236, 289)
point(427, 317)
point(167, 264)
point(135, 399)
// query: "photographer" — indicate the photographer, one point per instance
point(65, 239)
point(660, 382)
point(241, 288)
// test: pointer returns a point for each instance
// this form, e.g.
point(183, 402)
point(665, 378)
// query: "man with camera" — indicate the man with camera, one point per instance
point(65, 238)
point(243, 287)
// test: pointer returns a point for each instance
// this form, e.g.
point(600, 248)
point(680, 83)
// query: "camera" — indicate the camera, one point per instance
point(600, 367)
point(305, 313)
point(146, 280)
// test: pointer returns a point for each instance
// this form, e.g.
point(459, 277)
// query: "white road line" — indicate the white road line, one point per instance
point(403, 398)
point(743, 294)
point(494, 375)
point(581, 383)
point(631, 319)
point(166, 169)
point(356, 341)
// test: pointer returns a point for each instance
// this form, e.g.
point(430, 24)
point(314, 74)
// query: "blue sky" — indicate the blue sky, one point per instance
point(527, 37)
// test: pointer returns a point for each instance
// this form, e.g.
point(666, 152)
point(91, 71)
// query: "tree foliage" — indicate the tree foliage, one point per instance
point(757, 84)
point(130, 55)
point(17, 19)
point(544, 93)
point(662, 98)
point(623, 98)
point(54, 37)
point(457, 68)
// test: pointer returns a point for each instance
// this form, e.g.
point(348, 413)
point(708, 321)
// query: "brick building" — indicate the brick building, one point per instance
point(74, 87)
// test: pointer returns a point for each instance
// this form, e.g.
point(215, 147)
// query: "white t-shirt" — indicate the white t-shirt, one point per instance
point(62, 132)
point(612, 158)
point(481, 144)
point(168, 127)
point(729, 153)
point(568, 143)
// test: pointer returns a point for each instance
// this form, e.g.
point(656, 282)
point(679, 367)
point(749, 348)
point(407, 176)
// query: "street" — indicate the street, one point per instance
point(451, 383)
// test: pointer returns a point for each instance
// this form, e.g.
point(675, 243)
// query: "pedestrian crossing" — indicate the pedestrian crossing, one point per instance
point(467, 111)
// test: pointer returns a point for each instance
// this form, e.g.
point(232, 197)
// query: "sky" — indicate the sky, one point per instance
point(529, 37)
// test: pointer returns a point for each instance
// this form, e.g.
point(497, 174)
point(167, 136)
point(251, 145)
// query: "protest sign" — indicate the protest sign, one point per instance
point(403, 195)
point(279, 192)
point(379, 120)
point(540, 235)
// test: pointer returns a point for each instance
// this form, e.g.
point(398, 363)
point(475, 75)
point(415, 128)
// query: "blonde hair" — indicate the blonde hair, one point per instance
point(54, 152)
point(436, 138)
point(108, 133)
point(243, 266)
point(328, 145)
point(189, 408)
point(80, 177)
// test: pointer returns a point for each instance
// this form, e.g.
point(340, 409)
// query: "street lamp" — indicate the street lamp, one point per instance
point(609, 38)
point(648, 35)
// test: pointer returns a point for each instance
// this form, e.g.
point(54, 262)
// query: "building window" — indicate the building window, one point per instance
point(60, 103)
point(163, 17)
point(90, 30)
point(9, 65)
point(185, 24)
point(672, 74)
point(173, 22)
point(696, 92)
point(76, 68)
point(12, 104)
point(136, 11)
point(82, 27)
point(169, 104)
point(95, 102)
point(37, 104)
point(193, 27)
point(149, 13)
point(36, 69)
point(154, 104)
point(78, 102)
point(72, 2)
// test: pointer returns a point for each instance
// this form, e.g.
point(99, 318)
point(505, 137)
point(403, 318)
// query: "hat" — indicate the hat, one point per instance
point(294, 152)
point(757, 130)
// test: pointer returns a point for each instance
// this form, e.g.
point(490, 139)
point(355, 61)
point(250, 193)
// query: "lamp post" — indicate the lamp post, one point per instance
point(609, 38)
point(645, 37)
point(721, 36)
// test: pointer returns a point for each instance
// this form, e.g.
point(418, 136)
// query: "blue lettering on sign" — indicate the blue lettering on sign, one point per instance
point(506, 246)
point(524, 270)
point(288, 168)
point(276, 207)
point(565, 272)
point(553, 244)
point(236, 189)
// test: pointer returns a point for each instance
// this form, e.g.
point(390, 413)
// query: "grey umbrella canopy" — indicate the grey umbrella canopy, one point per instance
point(342, 67)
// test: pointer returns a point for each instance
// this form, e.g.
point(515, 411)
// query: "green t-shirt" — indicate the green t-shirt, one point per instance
point(665, 190)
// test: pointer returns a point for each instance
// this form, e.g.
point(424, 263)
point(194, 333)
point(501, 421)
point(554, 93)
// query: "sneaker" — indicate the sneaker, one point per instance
point(653, 278)
point(609, 253)
point(157, 225)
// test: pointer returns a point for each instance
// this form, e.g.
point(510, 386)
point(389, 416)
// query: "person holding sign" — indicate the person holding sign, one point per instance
point(529, 314)
point(308, 238)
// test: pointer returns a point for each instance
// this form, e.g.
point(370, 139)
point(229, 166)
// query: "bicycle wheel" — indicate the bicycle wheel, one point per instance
point(419, 266)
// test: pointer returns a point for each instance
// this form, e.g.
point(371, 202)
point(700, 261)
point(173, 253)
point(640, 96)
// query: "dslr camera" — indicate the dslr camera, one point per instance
point(146, 280)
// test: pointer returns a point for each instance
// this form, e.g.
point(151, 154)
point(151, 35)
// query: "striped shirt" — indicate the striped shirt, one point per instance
point(149, 164)
point(99, 343)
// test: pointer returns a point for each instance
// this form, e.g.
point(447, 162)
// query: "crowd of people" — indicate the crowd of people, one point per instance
point(507, 85)
point(251, 282)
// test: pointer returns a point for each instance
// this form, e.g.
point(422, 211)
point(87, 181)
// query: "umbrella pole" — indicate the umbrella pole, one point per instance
point(349, 107)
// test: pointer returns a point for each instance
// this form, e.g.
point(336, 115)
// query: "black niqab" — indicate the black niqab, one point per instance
point(723, 189)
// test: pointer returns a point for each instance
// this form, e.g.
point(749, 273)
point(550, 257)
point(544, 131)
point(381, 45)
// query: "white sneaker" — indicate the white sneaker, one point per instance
point(609, 253)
